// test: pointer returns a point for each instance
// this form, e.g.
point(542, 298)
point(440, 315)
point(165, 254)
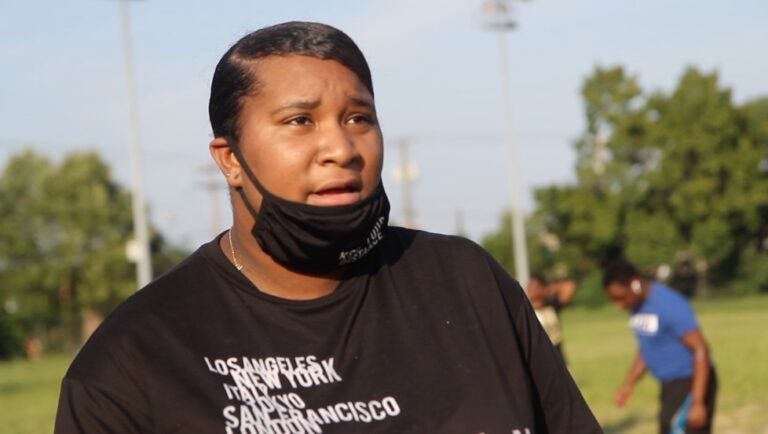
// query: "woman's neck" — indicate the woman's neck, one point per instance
point(268, 275)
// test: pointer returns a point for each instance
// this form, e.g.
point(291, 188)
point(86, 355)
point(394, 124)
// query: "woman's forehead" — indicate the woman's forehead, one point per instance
point(305, 82)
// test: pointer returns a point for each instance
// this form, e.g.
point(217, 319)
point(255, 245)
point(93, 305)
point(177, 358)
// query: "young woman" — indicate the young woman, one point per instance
point(311, 314)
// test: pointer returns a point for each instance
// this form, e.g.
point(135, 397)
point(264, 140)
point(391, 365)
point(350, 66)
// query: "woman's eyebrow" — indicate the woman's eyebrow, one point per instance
point(302, 104)
point(365, 102)
point(312, 104)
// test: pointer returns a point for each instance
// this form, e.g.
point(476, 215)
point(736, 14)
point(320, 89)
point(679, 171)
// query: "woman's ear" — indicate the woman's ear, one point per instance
point(635, 286)
point(224, 157)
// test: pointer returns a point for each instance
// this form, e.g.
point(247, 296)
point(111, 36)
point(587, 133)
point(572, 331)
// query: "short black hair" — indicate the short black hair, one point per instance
point(234, 77)
point(540, 277)
point(620, 271)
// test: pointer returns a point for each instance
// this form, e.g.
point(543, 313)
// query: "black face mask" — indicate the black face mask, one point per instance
point(315, 239)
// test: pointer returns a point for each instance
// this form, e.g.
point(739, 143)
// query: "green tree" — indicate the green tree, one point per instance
point(63, 231)
point(677, 178)
point(708, 176)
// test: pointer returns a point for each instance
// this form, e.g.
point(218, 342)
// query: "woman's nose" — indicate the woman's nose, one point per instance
point(337, 146)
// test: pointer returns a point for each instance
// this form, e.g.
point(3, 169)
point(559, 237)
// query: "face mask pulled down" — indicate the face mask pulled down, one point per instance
point(316, 239)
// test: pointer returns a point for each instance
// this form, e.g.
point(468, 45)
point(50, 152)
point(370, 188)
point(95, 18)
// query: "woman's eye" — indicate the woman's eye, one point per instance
point(360, 119)
point(300, 120)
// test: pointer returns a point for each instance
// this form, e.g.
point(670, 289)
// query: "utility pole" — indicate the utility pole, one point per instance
point(138, 249)
point(461, 227)
point(406, 173)
point(500, 19)
point(214, 186)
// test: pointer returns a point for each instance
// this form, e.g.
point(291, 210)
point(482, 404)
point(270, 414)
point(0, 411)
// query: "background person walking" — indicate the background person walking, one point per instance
point(671, 346)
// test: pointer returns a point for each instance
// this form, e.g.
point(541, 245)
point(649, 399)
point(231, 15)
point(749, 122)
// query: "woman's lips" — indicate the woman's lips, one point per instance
point(334, 197)
point(337, 191)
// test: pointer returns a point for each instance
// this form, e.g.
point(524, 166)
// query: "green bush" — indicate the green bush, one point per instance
point(752, 275)
point(10, 337)
point(589, 292)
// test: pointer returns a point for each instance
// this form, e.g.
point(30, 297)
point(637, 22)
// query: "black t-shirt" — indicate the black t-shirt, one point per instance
point(553, 301)
point(428, 334)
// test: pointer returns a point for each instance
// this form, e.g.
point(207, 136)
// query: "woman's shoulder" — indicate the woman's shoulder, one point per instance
point(424, 239)
point(162, 297)
point(173, 300)
point(450, 261)
point(429, 248)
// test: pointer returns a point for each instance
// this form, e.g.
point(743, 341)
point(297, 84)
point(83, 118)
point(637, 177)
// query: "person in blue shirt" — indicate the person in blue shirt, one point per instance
point(671, 346)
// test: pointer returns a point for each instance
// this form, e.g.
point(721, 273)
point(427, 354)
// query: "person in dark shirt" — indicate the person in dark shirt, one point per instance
point(547, 300)
point(671, 346)
point(311, 314)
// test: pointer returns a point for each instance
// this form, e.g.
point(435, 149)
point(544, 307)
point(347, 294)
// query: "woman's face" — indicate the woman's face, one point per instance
point(310, 133)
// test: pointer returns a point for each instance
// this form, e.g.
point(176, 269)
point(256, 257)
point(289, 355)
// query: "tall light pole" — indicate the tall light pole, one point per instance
point(406, 173)
point(139, 249)
point(498, 14)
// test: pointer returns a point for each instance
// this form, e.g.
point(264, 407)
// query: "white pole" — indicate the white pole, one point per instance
point(500, 19)
point(519, 247)
point(141, 232)
point(409, 220)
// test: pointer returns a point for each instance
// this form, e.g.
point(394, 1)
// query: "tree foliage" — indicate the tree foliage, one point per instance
point(63, 231)
point(677, 179)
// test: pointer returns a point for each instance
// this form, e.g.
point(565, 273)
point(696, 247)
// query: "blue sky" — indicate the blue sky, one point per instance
point(435, 71)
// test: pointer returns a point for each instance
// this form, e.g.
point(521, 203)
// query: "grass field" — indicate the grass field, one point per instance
point(599, 347)
point(28, 394)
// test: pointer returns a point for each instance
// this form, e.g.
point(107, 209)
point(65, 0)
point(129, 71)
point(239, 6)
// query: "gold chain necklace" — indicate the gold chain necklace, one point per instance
point(238, 265)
